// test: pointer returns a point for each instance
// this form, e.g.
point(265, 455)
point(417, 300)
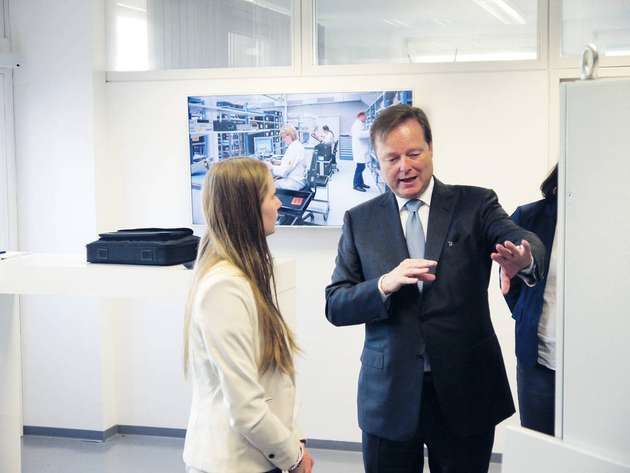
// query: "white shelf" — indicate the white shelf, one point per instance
point(71, 275)
point(211, 132)
point(262, 130)
point(225, 109)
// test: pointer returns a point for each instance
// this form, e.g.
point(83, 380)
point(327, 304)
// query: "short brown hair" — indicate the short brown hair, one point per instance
point(394, 116)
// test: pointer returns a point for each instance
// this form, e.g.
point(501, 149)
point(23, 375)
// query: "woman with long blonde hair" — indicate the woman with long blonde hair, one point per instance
point(238, 349)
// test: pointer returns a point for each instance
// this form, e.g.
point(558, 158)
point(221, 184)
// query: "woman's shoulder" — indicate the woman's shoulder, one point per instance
point(532, 210)
point(223, 288)
point(223, 276)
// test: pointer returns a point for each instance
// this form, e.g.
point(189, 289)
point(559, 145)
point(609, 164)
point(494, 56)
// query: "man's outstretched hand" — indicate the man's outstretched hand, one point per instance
point(512, 259)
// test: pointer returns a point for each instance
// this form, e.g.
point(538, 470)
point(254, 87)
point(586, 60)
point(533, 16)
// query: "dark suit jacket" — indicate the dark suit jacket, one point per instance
point(526, 302)
point(452, 315)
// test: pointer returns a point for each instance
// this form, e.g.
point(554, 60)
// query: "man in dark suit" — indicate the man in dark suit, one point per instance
point(432, 371)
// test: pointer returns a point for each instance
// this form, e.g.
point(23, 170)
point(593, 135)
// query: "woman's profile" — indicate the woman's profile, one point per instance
point(238, 349)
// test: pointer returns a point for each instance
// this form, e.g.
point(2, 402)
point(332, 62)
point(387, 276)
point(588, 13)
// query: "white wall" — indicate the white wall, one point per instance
point(346, 111)
point(56, 92)
point(489, 129)
point(88, 162)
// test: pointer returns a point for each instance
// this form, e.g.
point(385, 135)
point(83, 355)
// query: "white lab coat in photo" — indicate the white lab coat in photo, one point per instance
point(328, 138)
point(291, 173)
point(360, 141)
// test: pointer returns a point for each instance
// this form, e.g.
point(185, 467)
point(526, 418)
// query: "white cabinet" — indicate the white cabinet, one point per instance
point(70, 275)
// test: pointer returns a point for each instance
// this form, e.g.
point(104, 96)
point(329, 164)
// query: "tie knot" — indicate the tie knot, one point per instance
point(413, 205)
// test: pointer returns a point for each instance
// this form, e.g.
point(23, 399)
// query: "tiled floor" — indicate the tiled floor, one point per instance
point(140, 454)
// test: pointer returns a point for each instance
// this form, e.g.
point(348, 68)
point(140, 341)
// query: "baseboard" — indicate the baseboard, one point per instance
point(80, 434)
point(334, 445)
point(102, 436)
point(356, 447)
point(151, 431)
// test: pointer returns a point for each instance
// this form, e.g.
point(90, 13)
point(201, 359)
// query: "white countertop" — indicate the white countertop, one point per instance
point(71, 275)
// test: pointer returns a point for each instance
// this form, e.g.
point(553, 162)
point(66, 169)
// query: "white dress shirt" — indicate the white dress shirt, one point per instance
point(423, 211)
point(547, 322)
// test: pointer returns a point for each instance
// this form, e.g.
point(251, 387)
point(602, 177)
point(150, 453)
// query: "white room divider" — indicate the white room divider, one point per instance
point(593, 419)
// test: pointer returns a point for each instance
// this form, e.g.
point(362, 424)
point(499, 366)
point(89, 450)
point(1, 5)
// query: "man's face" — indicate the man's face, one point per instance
point(362, 118)
point(406, 159)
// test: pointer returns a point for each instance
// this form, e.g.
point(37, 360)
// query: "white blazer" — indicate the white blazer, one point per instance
point(240, 422)
point(291, 172)
point(360, 141)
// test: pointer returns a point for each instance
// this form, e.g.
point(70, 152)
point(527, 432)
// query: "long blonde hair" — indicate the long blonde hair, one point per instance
point(233, 191)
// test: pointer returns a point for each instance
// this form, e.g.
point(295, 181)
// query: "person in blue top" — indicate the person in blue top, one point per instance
point(534, 310)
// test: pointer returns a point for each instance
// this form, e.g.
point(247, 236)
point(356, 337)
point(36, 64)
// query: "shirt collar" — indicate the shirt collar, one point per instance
point(425, 197)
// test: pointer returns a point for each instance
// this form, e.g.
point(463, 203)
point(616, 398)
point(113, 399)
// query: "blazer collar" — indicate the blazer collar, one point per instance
point(442, 208)
point(394, 245)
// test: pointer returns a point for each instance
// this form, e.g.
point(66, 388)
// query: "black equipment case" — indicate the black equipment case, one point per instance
point(146, 246)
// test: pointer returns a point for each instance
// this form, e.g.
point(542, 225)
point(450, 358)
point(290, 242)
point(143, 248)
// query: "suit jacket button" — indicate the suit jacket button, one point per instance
point(271, 455)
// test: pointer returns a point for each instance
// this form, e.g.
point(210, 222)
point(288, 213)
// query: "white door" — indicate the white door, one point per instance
point(594, 224)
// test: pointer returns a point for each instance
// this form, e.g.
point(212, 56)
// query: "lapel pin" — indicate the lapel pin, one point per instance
point(450, 243)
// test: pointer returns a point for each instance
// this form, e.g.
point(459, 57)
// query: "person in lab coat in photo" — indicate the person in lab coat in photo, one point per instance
point(326, 136)
point(290, 171)
point(360, 147)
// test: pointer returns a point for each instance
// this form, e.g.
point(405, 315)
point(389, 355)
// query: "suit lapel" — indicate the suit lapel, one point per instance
point(440, 215)
point(393, 245)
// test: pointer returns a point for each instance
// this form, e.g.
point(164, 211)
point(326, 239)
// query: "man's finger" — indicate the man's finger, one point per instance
point(411, 272)
point(503, 251)
point(497, 258)
point(512, 247)
point(424, 263)
point(505, 283)
point(407, 280)
point(427, 277)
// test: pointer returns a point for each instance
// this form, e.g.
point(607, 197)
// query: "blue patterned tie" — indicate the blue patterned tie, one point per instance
point(415, 244)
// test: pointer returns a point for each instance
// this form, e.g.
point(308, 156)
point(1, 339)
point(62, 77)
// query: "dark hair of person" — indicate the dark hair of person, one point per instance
point(360, 114)
point(549, 186)
point(396, 115)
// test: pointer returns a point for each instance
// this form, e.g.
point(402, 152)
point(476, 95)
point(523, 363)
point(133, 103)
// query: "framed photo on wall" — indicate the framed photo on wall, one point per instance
point(316, 145)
